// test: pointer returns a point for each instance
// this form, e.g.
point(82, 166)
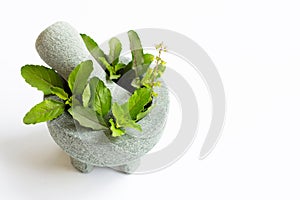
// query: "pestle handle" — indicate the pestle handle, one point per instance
point(62, 48)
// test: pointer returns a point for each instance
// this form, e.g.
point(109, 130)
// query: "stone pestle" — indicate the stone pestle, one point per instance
point(62, 48)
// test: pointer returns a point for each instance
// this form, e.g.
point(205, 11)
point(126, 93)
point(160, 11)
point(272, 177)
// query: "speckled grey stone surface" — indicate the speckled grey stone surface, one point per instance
point(81, 166)
point(129, 167)
point(60, 46)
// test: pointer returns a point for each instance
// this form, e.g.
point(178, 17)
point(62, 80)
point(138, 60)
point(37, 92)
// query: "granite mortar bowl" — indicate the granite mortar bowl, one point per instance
point(88, 148)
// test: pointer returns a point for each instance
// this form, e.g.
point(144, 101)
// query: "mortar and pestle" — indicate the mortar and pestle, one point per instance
point(62, 48)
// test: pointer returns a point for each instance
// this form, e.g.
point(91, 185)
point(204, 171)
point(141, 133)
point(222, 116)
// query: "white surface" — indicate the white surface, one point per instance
point(255, 46)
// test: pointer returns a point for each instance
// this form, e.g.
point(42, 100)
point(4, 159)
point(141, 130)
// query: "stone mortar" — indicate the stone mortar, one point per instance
point(61, 47)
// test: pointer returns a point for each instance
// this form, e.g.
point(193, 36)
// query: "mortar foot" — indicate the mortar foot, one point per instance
point(128, 168)
point(80, 166)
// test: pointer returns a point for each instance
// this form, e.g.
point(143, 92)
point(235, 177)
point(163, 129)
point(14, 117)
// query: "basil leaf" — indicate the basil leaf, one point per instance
point(148, 58)
point(123, 118)
point(142, 114)
point(100, 99)
point(115, 47)
point(79, 76)
point(41, 77)
point(88, 118)
point(112, 72)
point(59, 92)
point(93, 47)
point(47, 110)
point(142, 69)
point(119, 66)
point(137, 102)
point(116, 132)
point(86, 96)
point(136, 82)
point(136, 49)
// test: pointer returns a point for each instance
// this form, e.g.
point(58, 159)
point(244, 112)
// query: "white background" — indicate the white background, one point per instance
point(255, 46)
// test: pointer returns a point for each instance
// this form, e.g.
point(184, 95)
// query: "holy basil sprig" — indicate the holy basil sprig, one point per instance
point(127, 114)
point(97, 98)
point(88, 99)
point(151, 77)
point(109, 62)
point(140, 62)
point(95, 106)
point(49, 82)
point(145, 76)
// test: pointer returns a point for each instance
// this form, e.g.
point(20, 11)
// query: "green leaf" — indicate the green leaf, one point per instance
point(86, 96)
point(88, 118)
point(112, 77)
point(116, 132)
point(137, 102)
point(115, 51)
point(123, 118)
point(151, 76)
point(136, 82)
point(47, 110)
point(112, 72)
point(136, 49)
point(119, 66)
point(41, 77)
point(148, 58)
point(105, 64)
point(60, 93)
point(92, 46)
point(79, 76)
point(70, 110)
point(144, 113)
point(100, 99)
